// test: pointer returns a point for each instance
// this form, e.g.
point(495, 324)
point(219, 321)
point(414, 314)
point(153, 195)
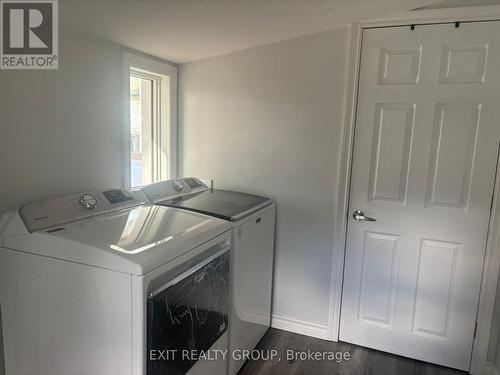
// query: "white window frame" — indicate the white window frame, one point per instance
point(130, 62)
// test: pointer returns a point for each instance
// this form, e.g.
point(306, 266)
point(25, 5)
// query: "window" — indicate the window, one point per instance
point(150, 146)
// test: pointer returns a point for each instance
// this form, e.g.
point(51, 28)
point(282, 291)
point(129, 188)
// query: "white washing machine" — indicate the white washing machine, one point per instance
point(252, 219)
point(102, 284)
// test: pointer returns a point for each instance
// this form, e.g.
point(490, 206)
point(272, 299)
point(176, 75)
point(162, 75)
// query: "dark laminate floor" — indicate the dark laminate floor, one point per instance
point(363, 361)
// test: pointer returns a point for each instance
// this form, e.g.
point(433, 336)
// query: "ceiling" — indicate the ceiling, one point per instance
point(187, 30)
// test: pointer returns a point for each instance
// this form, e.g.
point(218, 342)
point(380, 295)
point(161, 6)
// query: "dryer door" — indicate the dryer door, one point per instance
point(188, 315)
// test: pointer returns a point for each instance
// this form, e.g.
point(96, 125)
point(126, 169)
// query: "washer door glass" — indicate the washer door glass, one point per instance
point(188, 316)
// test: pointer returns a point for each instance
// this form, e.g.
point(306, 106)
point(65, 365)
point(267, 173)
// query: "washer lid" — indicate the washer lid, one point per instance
point(223, 204)
point(135, 240)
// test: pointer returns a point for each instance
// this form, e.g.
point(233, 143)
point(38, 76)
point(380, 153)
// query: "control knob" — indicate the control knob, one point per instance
point(88, 201)
point(178, 186)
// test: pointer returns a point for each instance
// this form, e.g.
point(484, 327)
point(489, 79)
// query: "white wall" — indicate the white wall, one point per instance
point(60, 131)
point(268, 120)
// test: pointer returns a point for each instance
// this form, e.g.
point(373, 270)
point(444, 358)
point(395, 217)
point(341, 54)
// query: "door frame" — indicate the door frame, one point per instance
point(479, 365)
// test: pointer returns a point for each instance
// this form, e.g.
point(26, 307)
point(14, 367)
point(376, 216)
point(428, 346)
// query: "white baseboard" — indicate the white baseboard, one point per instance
point(302, 327)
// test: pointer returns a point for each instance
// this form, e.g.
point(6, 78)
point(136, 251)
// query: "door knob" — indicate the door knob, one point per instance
point(359, 215)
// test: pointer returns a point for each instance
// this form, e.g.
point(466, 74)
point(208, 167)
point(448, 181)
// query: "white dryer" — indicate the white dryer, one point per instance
point(252, 218)
point(103, 284)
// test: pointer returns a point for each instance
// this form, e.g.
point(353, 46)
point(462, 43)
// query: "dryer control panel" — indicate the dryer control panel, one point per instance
point(172, 189)
point(51, 213)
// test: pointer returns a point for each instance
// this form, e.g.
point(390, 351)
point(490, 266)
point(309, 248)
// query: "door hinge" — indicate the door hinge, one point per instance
point(475, 330)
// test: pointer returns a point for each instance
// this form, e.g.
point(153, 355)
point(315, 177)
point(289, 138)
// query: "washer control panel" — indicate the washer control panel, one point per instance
point(172, 189)
point(52, 213)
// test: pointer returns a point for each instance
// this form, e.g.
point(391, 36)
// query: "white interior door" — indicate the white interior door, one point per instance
point(426, 144)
